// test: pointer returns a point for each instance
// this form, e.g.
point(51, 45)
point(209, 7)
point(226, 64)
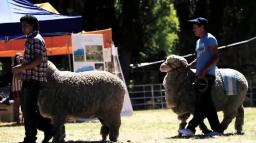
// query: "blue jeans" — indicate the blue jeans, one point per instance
point(32, 117)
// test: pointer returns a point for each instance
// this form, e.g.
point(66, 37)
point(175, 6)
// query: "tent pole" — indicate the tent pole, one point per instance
point(69, 62)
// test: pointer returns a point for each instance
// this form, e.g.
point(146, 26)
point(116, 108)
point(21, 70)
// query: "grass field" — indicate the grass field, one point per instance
point(151, 126)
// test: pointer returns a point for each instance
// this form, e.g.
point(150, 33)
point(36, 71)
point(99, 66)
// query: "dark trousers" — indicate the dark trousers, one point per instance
point(32, 118)
point(204, 108)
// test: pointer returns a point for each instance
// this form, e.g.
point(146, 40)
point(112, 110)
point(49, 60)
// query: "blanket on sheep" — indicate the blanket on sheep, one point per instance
point(229, 80)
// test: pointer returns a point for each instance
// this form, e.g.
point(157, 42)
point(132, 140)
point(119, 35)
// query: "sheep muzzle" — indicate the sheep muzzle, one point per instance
point(165, 68)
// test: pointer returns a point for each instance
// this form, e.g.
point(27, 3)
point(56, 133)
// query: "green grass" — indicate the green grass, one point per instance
point(151, 126)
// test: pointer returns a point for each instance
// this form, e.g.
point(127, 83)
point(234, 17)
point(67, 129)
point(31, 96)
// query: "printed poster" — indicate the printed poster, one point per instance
point(88, 52)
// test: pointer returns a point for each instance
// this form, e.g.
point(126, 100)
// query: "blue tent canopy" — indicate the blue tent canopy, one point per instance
point(50, 23)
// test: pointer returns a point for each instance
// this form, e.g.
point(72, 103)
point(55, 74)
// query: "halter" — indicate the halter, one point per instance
point(174, 66)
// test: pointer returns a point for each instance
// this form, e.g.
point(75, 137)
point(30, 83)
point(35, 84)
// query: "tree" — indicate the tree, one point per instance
point(148, 31)
point(144, 30)
point(160, 26)
point(229, 20)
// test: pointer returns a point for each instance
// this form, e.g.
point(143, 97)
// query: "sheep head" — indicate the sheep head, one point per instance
point(173, 62)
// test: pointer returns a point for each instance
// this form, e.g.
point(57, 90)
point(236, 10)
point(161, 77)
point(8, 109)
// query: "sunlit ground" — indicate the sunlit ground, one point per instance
point(150, 126)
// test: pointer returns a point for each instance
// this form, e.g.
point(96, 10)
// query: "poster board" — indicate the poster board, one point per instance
point(88, 52)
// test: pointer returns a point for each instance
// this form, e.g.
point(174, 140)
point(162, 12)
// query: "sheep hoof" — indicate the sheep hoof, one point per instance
point(58, 141)
point(113, 140)
point(104, 139)
point(240, 133)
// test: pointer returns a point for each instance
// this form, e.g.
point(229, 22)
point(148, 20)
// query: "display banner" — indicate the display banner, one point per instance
point(88, 52)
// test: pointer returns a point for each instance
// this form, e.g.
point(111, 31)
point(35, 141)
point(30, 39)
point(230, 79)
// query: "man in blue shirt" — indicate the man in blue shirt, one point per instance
point(206, 59)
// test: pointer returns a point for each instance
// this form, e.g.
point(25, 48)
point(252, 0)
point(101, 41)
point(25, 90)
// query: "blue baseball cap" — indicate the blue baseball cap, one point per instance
point(199, 20)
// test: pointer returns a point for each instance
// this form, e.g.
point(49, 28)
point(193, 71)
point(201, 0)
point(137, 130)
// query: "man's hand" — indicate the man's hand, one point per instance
point(202, 74)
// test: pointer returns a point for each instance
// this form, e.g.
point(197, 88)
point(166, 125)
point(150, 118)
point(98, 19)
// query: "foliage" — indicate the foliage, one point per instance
point(229, 20)
point(144, 30)
point(157, 27)
point(160, 27)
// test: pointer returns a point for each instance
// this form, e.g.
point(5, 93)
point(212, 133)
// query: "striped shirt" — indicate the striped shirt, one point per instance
point(35, 46)
point(16, 84)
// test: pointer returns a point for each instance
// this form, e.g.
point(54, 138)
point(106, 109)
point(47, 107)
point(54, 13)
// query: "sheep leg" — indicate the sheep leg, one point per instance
point(114, 133)
point(183, 118)
point(228, 117)
point(59, 128)
point(104, 131)
point(239, 122)
point(114, 128)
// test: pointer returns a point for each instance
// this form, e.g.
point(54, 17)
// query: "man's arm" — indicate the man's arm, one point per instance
point(214, 60)
point(37, 61)
point(38, 58)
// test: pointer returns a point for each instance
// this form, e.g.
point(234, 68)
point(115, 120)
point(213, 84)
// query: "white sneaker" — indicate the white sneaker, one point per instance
point(186, 132)
point(214, 134)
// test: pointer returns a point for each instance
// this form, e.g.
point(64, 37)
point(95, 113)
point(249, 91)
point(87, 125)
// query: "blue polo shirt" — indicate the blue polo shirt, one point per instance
point(204, 54)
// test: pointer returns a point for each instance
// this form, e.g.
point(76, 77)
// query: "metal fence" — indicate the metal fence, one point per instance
point(152, 96)
point(147, 96)
point(251, 94)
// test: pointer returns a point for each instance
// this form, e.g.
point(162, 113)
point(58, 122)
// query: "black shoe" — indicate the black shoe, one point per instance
point(47, 136)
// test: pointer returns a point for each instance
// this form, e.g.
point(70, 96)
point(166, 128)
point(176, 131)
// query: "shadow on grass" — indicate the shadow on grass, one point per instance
point(92, 142)
point(201, 136)
point(87, 142)
point(10, 125)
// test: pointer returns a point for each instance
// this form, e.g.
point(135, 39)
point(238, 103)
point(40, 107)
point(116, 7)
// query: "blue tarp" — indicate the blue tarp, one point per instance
point(50, 23)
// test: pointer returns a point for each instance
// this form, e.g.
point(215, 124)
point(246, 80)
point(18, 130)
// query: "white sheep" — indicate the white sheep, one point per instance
point(180, 94)
point(95, 94)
